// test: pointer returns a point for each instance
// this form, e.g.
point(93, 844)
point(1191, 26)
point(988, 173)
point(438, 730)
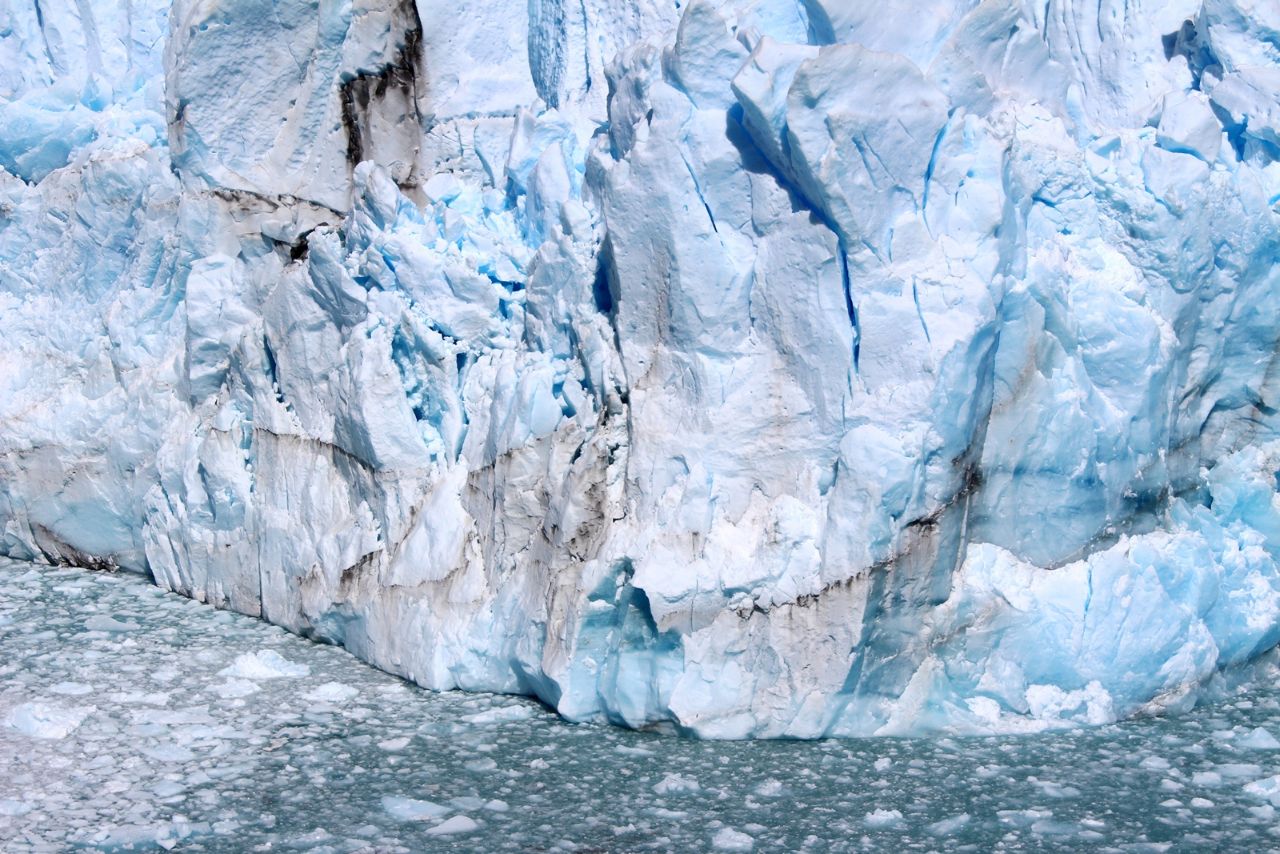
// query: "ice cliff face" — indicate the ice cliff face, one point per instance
point(767, 367)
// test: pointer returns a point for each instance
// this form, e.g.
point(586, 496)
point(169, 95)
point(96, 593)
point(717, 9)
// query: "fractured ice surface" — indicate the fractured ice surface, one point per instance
point(41, 720)
point(267, 664)
point(765, 367)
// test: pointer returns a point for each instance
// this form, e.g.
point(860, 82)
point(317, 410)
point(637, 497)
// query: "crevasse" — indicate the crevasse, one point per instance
point(764, 367)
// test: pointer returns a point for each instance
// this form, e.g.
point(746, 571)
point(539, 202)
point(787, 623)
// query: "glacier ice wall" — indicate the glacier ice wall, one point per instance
point(764, 367)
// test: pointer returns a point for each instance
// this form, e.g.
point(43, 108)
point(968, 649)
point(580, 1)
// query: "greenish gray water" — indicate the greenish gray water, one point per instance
point(132, 719)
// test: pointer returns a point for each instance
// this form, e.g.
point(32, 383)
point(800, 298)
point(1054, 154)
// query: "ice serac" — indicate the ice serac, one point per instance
point(756, 367)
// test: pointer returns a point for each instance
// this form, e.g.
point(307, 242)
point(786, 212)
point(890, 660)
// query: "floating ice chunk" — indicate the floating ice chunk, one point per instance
point(1238, 770)
point(1054, 789)
point(167, 789)
point(728, 839)
point(628, 750)
point(675, 784)
point(882, 818)
point(500, 714)
point(42, 720)
point(1023, 818)
point(264, 664)
point(1258, 739)
point(331, 692)
point(309, 841)
point(392, 745)
point(770, 788)
point(107, 623)
point(1266, 812)
point(1267, 789)
point(948, 826)
point(451, 826)
point(11, 807)
point(139, 698)
point(1053, 827)
point(169, 753)
point(233, 689)
point(72, 689)
point(1206, 778)
point(127, 836)
point(410, 809)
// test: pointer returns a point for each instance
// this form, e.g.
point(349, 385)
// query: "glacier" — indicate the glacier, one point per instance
point(756, 368)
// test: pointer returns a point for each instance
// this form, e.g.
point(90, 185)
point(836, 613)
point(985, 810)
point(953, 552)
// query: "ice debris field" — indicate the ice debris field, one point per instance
point(132, 719)
point(755, 368)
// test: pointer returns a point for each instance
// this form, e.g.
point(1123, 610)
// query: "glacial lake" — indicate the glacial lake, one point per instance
point(133, 719)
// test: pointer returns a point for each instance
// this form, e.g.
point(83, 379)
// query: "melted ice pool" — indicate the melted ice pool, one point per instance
point(132, 719)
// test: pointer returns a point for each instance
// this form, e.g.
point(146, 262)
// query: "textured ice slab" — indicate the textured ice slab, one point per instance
point(165, 760)
point(766, 368)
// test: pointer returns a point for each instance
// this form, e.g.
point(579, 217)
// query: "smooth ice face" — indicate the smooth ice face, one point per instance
point(766, 368)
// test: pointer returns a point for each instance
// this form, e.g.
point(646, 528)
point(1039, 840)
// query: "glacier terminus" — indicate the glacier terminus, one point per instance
point(756, 368)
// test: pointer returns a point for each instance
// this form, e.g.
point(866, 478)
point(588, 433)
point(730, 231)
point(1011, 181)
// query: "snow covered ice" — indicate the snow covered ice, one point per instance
point(752, 367)
point(162, 759)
